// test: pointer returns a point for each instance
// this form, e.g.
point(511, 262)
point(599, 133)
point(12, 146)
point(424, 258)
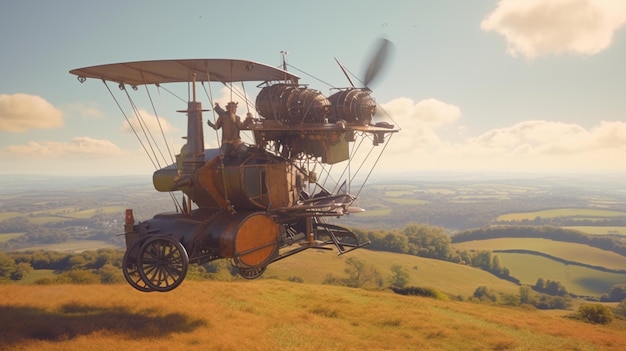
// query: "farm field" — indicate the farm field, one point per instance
point(313, 266)
point(599, 230)
point(9, 236)
point(567, 251)
point(72, 246)
point(578, 213)
point(576, 279)
point(276, 315)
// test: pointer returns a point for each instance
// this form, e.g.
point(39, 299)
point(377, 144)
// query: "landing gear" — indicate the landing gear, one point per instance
point(252, 273)
point(162, 263)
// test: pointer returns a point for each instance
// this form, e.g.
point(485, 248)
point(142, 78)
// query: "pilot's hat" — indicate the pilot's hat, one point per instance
point(232, 104)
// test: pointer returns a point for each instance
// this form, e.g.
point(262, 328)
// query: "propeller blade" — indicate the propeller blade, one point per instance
point(382, 53)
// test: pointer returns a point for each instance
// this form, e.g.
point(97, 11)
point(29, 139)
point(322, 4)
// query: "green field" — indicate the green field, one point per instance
point(313, 266)
point(375, 210)
point(577, 280)
point(72, 246)
point(405, 201)
point(7, 215)
point(8, 236)
point(582, 213)
point(567, 251)
point(598, 230)
point(35, 275)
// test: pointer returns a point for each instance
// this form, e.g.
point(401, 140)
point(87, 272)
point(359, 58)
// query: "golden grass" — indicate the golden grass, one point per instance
point(276, 315)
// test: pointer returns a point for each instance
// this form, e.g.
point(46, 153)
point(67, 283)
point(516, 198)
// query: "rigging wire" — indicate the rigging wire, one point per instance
point(143, 126)
point(156, 116)
point(162, 132)
point(128, 121)
point(209, 95)
point(374, 165)
point(171, 194)
point(312, 76)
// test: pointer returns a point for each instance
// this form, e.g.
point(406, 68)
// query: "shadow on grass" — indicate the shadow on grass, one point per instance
point(23, 323)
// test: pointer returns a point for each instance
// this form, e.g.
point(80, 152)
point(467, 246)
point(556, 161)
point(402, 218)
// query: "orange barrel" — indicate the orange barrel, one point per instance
point(249, 238)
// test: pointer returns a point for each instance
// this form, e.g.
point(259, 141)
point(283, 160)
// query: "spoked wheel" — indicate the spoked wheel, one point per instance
point(162, 263)
point(129, 267)
point(252, 273)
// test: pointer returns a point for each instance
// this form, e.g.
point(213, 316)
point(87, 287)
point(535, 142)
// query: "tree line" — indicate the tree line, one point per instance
point(431, 242)
point(604, 242)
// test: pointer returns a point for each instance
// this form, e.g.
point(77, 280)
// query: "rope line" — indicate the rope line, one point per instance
point(129, 124)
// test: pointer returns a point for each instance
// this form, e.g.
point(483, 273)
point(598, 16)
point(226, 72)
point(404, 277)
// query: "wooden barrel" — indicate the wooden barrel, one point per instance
point(249, 238)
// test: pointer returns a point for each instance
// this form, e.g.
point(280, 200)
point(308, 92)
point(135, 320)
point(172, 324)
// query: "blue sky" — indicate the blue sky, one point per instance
point(479, 86)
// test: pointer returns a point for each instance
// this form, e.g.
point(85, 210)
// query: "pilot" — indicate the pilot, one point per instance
point(230, 124)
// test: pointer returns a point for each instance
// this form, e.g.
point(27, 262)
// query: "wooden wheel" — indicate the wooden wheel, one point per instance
point(252, 273)
point(162, 263)
point(129, 267)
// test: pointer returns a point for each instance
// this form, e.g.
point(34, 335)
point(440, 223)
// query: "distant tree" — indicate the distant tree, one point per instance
point(21, 270)
point(541, 284)
point(621, 308)
point(617, 293)
point(78, 276)
point(361, 274)
point(595, 313)
point(510, 299)
point(526, 295)
point(400, 276)
point(7, 267)
point(483, 293)
point(428, 241)
point(547, 302)
point(555, 288)
point(110, 274)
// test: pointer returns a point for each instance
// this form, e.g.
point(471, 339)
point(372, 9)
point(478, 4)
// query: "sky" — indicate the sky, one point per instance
point(475, 86)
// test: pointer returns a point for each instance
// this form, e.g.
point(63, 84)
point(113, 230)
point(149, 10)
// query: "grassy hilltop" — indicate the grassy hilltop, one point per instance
point(276, 315)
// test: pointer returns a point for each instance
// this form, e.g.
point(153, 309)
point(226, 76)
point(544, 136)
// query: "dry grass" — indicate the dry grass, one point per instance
point(276, 315)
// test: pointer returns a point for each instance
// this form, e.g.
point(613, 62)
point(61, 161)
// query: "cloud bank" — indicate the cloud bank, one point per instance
point(22, 112)
point(77, 147)
point(534, 28)
point(535, 145)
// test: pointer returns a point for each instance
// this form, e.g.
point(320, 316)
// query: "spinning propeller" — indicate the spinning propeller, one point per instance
point(378, 61)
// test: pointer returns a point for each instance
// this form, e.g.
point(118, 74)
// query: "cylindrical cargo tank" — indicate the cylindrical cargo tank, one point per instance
point(249, 238)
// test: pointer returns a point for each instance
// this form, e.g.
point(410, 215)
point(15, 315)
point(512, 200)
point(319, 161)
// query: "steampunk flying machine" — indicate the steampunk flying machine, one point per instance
point(253, 203)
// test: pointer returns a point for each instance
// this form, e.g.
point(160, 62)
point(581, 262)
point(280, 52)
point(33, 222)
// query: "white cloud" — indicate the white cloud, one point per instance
point(88, 111)
point(543, 27)
point(535, 145)
point(21, 112)
point(419, 121)
point(77, 147)
point(148, 122)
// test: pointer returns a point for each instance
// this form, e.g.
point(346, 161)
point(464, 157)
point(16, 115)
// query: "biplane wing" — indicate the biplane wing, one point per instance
point(172, 71)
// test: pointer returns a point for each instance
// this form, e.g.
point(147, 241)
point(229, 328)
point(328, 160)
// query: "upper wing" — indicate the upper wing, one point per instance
point(168, 71)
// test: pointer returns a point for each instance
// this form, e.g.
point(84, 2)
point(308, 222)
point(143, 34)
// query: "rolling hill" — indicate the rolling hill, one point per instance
point(277, 315)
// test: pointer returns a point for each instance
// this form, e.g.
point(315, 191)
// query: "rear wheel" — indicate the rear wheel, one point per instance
point(129, 268)
point(162, 263)
point(252, 273)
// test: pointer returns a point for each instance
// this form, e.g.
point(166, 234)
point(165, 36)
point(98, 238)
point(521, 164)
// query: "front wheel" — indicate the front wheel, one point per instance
point(129, 267)
point(162, 263)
